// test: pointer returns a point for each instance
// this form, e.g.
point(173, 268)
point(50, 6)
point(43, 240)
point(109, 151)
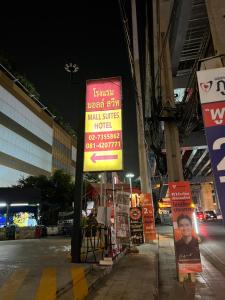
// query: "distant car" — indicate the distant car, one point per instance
point(210, 215)
point(200, 215)
point(219, 216)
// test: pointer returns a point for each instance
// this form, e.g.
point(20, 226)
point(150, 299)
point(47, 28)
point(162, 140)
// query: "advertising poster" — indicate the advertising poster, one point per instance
point(103, 125)
point(185, 238)
point(122, 216)
point(24, 219)
point(211, 85)
point(136, 226)
point(148, 217)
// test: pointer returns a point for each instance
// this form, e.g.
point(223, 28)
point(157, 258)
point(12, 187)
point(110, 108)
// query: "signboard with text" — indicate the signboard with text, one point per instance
point(148, 217)
point(136, 226)
point(122, 200)
point(185, 239)
point(103, 125)
point(211, 85)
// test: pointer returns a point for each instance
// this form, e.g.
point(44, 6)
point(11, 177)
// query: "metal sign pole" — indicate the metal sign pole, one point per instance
point(76, 232)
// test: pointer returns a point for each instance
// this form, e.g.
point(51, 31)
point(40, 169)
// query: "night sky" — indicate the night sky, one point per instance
point(40, 42)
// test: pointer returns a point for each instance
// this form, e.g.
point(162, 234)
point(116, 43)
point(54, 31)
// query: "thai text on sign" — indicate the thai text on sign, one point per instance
point(148, 217)
point(211, 85)
point(136, 226)
point(103, 125)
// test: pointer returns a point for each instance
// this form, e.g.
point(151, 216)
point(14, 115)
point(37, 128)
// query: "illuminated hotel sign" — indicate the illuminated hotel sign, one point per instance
point(103, 125)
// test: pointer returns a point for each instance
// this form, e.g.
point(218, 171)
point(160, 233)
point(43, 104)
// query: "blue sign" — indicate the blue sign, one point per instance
point(2, 220)
point(211, 85)
point(216, 143)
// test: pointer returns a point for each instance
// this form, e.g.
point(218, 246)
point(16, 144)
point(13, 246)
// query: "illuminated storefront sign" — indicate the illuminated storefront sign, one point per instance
point(164, 203)
point(212, 95)
point(103, 125)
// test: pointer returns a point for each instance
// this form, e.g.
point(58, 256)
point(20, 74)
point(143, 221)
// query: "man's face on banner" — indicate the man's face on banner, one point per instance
point(185, 227)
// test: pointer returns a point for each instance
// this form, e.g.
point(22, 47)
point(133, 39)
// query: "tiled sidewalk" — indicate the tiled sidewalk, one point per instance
point(209, 285)
point(134, 278)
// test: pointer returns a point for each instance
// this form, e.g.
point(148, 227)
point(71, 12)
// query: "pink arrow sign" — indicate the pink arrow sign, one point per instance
point(94, 157)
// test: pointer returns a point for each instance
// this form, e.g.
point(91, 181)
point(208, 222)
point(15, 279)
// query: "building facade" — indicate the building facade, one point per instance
point(29, 137)
point(63, 150)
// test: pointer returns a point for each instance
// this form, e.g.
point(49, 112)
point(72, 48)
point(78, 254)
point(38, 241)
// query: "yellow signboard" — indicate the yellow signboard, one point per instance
point(103, 126)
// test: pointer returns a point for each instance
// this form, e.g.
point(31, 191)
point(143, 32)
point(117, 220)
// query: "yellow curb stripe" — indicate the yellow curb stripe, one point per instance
point(47, 286)
point(11, 286)
point(80, 286)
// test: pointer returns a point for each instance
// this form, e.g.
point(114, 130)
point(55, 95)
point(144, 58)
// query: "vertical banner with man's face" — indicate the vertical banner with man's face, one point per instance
point(185, 239)
point(211, 85)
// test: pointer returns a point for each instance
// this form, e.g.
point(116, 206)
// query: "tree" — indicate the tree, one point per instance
point(56, 194)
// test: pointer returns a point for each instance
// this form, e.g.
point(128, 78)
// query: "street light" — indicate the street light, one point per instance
point(71, 68)
point(129, 176)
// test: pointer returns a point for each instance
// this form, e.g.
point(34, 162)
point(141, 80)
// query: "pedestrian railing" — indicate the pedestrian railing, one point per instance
point(95, 242)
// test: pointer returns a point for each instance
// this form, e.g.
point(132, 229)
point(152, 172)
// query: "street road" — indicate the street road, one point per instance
point(212, 244)
point(33, 251)
point(39, 269)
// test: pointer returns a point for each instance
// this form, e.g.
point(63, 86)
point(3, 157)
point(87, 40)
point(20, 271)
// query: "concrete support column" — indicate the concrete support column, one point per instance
point(173, 155)
point(216, 14)
point(195, 191)
point(207, 197)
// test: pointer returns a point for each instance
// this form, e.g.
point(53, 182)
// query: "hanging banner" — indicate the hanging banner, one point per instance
point(104, 215)
point(103, 125)
point(185, 239)
point(122, 200)
point(211, 85)
point(136, 226)
point(148, 217)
